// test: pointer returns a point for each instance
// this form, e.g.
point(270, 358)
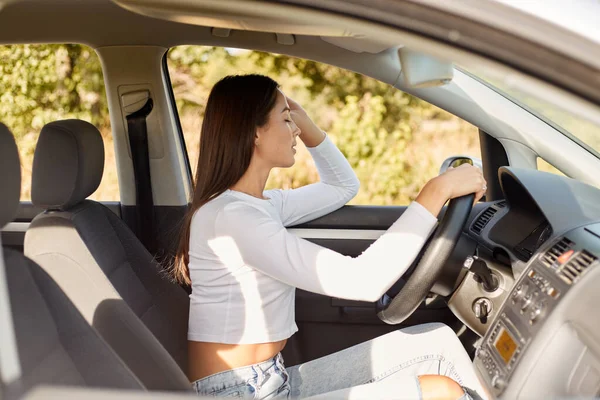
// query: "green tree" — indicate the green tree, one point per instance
point(376, 126)
point(44, 83)
point(47, 82)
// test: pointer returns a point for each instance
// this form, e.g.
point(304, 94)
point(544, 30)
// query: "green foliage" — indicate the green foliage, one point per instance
point(372, 123)
point(44, 83)
point(375, 153)
point(377, 127)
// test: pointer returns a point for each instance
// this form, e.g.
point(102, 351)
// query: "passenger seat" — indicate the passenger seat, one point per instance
point(99, 263)
point(55, 344)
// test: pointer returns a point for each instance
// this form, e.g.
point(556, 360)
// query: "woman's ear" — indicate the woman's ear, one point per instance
point(257, 136)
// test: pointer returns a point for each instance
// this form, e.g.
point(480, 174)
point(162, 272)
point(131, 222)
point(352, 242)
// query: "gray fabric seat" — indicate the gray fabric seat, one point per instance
point(99, 263)
point(55, 344)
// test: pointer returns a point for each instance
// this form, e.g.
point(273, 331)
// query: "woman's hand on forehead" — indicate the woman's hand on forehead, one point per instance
point(310, 134)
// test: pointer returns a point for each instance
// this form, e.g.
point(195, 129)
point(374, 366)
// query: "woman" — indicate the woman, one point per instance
point(244, 266)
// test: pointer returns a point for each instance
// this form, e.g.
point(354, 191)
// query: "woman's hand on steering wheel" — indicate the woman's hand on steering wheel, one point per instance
point(463, 180)
point(462, 185)
point(455, 182)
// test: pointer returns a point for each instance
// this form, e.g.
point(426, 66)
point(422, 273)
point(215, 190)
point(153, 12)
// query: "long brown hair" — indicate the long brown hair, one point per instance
point(236, 107)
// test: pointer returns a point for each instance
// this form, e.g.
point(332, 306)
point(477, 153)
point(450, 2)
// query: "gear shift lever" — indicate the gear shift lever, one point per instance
point(482, 273)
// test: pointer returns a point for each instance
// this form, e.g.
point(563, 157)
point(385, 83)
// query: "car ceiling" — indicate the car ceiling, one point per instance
point(100, 23)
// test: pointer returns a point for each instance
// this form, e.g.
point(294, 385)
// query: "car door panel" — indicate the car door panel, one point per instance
point(328, 324)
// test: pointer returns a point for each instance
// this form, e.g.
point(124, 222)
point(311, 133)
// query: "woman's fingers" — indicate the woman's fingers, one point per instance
point(466, 179)
point(478, 196)
point(294, 106)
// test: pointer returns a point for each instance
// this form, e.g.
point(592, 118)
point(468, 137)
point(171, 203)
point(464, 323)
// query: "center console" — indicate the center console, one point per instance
point(543, 285)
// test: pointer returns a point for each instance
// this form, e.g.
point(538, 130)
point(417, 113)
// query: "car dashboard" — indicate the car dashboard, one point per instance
point(544, 341)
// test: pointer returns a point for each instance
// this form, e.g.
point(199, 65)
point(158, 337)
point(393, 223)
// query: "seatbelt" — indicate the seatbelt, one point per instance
point(138, 143)
point(10, 367)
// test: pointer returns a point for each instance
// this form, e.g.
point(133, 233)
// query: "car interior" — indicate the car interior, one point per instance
point(87, 309)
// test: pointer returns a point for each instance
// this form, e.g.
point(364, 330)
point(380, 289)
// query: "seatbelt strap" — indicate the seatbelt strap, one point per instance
point(138, 142)
point(10, 367)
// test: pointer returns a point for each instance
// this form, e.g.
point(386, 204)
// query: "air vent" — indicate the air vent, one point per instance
point(483, 220)
point(501, 204)
point(576, 266)
point(549, 258)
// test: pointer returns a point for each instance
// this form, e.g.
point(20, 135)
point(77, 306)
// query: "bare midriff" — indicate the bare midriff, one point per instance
point(210, 358)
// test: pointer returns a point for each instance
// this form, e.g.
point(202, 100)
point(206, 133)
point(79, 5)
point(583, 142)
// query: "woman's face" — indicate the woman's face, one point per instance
point(276, 141)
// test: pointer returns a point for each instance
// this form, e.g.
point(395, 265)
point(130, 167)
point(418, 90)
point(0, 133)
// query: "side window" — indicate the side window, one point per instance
point(49, 82)
point(543, 165)
point(394, 141)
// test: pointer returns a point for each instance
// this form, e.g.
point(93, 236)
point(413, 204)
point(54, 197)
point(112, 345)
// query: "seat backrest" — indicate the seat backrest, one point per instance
point(99, 263)
point(55, 344)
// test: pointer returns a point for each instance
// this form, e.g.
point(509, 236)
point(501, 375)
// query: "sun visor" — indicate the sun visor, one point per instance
point(237, 14)
point(421, 70)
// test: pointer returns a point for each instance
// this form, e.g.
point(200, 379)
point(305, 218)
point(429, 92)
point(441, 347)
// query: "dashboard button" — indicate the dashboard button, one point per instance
point(537, 311)
point(553, 292)
point(526, 302)
point(520, 292)
point(482, 353)
point(498, 382)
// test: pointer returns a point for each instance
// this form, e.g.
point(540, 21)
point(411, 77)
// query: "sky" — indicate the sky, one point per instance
point(580, 16)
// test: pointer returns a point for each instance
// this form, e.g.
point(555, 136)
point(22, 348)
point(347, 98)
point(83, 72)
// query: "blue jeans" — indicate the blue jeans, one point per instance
point(382, 368)
point(266, 380)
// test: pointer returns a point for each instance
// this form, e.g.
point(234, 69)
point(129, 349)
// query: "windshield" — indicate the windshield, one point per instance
point(579, 129)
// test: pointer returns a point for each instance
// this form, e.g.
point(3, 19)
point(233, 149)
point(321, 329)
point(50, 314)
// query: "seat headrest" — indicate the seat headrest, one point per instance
point(67, 165)
point(10, 176)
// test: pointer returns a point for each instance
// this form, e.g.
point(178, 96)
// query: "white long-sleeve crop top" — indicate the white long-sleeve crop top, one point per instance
point(245, 266)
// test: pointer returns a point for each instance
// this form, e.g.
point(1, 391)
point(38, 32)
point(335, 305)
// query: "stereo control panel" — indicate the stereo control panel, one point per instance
point(539, 290)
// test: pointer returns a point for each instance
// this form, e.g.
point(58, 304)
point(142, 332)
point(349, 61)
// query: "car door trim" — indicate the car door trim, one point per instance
point(16, 227)
point(343, 234)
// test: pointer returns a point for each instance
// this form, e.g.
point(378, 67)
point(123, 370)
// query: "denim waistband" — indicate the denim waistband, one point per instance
point(246, 379)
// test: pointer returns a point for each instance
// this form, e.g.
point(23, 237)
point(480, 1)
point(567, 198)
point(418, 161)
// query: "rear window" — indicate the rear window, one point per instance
point(42, 83)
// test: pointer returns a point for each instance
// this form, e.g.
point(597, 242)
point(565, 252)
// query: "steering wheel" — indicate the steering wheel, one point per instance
point(431, 264)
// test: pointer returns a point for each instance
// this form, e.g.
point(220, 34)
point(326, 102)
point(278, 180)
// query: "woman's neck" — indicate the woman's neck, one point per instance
point(253, 181)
